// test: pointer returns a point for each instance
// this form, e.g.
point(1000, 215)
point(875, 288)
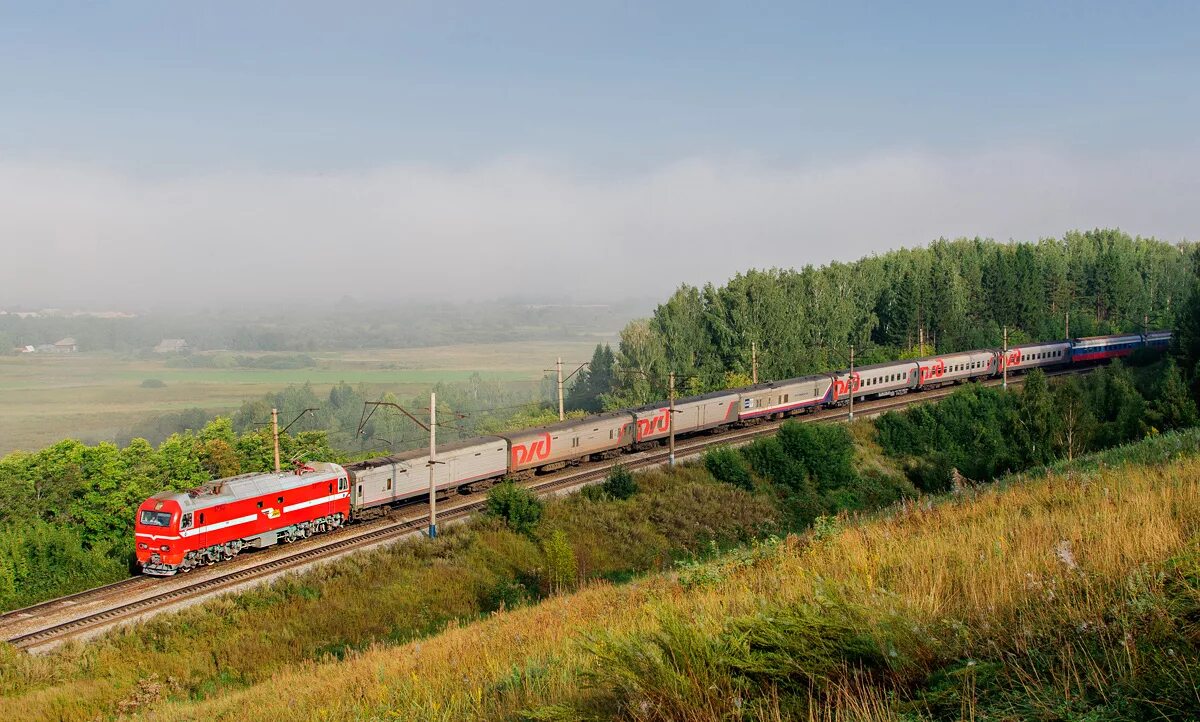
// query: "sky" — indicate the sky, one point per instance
point(168, 155)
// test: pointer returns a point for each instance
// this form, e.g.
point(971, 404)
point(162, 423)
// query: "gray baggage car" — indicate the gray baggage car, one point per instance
point(569, 440)
point(395, 478)
point(782, 397)
point(692, 414)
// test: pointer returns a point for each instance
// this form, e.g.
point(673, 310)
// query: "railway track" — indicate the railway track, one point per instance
point(375, 533)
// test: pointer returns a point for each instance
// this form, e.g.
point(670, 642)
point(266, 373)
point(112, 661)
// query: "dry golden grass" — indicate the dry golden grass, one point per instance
point(977, 574)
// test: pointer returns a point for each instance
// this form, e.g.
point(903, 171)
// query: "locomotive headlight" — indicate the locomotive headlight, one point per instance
point(143, 545)
point(165, 548)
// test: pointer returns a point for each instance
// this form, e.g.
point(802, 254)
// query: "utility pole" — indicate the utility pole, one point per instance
point(275, 434)
point(671, 425)
point(558, 365)
point(850, 383)
point(432, 463)
point(1004, 360)
point(754, 361)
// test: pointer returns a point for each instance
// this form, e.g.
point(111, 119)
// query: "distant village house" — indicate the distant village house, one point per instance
point(66, 345)
point(171, 345)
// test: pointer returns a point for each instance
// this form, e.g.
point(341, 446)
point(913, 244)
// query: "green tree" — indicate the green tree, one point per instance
point(593, 381)
point(1172, 407)
point(727, 464)
point(1037, 420)
point(518, 507)
point(620, 484)
point(1076, 420)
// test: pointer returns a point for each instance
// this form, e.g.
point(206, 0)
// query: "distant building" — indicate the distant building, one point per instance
point(171, 345)
point(25, 349)
point(66, 345)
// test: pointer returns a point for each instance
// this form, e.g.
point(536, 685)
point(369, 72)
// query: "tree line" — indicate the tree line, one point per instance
point(951, 295)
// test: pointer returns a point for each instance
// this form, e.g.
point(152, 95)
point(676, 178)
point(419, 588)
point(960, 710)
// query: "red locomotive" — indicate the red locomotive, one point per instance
point(178, 531)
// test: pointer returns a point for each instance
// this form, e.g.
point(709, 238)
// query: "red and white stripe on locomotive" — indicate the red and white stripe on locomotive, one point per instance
point(178, 531)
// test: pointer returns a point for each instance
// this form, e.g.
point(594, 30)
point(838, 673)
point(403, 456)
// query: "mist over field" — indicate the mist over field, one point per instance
point(83, 235)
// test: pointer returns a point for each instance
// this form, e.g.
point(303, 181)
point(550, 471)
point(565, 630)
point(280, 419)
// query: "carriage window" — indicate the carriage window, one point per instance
point(185, 521)
point(389, 484)
point(360, 491)
point(156, 518)
point(786, 397)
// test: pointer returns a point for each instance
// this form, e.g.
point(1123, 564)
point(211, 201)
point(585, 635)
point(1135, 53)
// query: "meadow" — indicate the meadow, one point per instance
point(95, 396)
point(1070, 596)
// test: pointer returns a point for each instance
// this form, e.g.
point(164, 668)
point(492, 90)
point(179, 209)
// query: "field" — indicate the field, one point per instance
point(94, 396)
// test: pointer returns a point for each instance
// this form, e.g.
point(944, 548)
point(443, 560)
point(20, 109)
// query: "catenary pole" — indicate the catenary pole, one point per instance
point(1004, 360)
point(850, 383)
point(671, 424)
point(432, 463)
point(558, 365)
point(754, 361)
point(275, 435)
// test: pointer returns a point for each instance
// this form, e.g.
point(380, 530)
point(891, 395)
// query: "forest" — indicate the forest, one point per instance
point(66, 511)
point(953, 295)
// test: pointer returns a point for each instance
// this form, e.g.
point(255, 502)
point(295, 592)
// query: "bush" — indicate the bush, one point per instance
point(518, 507)
point(727, 464)
point(154, 384)
point(620, 483)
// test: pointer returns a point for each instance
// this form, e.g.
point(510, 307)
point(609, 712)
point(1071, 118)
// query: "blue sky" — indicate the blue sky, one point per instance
point(587, 102)
point(302, 85)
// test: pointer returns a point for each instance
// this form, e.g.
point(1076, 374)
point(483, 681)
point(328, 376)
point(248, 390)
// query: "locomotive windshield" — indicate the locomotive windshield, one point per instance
point(156, 518)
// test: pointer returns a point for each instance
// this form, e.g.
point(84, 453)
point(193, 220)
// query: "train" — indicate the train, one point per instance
point(179, 531)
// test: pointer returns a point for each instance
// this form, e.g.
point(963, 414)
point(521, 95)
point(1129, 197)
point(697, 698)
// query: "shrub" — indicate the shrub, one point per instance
point(517, 506)
point(620, 483)
point(727, 464)
point(561, 568)
point(154, 384)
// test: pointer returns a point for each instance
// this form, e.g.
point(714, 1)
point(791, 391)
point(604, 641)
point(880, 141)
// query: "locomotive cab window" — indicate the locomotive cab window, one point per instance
point(342, 484)
point(156, 518)
point(185, 521)
point(279, 500)
point(201, 517)
point(260, 505)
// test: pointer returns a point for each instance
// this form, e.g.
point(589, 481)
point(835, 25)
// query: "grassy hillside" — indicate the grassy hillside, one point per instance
point(1073, 594)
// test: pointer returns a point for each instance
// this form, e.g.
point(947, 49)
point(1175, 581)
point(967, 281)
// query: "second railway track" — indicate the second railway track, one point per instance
point(21, 629)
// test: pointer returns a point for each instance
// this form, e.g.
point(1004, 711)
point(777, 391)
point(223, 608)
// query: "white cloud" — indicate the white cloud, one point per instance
point(78, 235)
